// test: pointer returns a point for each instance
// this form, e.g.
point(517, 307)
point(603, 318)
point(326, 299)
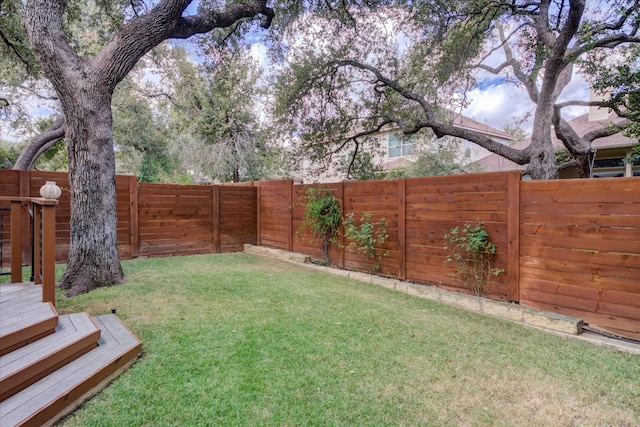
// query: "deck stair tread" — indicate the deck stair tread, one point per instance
point(75, 335)
point(11, 291)
point(24, 318)
point(60, 392)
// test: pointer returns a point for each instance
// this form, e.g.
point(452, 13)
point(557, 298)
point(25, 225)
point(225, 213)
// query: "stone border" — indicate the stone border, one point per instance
point(553, 322)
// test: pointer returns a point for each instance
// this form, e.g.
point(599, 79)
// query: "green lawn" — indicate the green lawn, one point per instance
point(236, 339)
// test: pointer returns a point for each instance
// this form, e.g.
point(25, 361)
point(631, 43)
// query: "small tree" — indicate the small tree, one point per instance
point(472, 252)
point(366, 237)
point(322, 218)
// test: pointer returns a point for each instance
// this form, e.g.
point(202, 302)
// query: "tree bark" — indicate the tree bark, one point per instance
point(85, 88)
point(93, 257)
point(40, 144)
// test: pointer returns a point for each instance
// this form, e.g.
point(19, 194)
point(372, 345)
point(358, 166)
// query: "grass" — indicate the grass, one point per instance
point(236, 339)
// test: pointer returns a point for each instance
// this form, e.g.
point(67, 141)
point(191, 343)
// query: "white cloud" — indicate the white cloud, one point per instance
point(497, 103)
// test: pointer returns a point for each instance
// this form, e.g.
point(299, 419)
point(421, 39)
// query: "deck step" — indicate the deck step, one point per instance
point(49, 399)
point(75, 335)
point(24, 318)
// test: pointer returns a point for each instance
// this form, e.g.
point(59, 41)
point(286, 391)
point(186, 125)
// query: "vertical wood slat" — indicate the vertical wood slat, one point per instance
point(133, 217)
point(16, 241)
point(513, 236)
point(215, 216)
point(402, 229)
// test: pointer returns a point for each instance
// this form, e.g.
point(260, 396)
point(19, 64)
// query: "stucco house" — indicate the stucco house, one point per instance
point(392, 149)
point(610, 151)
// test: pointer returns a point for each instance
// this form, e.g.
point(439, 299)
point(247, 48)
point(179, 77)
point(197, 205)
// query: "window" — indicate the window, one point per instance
point(400, 145)
point(467, 149)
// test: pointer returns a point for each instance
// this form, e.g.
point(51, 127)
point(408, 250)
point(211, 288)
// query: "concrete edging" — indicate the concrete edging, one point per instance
point(504, 310)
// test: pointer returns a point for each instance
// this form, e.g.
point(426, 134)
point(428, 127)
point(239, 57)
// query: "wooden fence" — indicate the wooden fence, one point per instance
point(153, 219)
point(569, 246)
point(419, 212)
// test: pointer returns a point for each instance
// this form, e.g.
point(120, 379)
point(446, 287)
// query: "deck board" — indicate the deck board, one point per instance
point(66, 388)
point(75, 335)
point(11, 291)
point(37, 312)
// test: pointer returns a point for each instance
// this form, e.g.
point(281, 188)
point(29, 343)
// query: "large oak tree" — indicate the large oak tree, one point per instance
point(85, 87)
point(368, 77)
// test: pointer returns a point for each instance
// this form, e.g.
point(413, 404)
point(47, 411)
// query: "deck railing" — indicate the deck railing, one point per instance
point(44, 242)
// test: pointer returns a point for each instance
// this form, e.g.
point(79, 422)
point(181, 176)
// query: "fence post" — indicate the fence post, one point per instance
point(134, 238)
point(215, 199)
point(402, 229)
point(16, 241)
point(290, 207)
point(513, 236)
point(258, 216)
point(341, 234)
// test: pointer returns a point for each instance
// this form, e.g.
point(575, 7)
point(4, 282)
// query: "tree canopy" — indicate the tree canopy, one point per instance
point(411, 65)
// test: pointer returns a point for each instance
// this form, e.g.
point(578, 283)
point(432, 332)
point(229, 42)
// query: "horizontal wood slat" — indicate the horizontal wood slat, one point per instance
point(570, 244)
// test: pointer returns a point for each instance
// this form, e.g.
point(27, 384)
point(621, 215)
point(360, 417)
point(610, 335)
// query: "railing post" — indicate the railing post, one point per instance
point(49, 253)
point(16, 241)
point(37, 244)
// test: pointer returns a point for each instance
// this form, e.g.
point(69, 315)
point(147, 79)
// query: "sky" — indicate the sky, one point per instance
point(496, 103)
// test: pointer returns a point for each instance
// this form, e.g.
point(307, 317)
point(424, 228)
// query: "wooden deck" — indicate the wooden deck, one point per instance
point(51, 364)
point(24, 317)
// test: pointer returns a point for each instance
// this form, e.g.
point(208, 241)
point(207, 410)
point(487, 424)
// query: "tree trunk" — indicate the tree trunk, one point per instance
point(93, 256)
point(85, 88)
point(542, 163)
point(583, 166)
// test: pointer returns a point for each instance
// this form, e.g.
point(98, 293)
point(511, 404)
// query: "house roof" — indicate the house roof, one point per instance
point(469, 123)
point(457, 120)
point(580, 124)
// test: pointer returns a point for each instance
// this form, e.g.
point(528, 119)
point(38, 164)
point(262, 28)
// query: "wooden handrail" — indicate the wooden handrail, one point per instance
point(44, 242)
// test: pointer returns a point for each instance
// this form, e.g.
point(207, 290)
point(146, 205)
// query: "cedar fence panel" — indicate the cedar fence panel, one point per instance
point(568, 246)
point(274, 214)
point(153, 219)
point(9, 185)
point(174, 219)
point(434, 205)
point(380, 198)
point(238, 220)
point(580, 250)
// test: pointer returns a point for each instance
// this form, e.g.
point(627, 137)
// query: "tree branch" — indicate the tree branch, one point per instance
point(40, 144)
point(440, 128)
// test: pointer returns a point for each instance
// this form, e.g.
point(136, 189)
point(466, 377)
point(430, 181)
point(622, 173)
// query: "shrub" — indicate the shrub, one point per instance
point(472, 252)
point(366, 237)
point(322, 218)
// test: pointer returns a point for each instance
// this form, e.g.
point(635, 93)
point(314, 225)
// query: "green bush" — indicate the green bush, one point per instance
point(472, 252)
point(366, 237)
point(322, 218)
